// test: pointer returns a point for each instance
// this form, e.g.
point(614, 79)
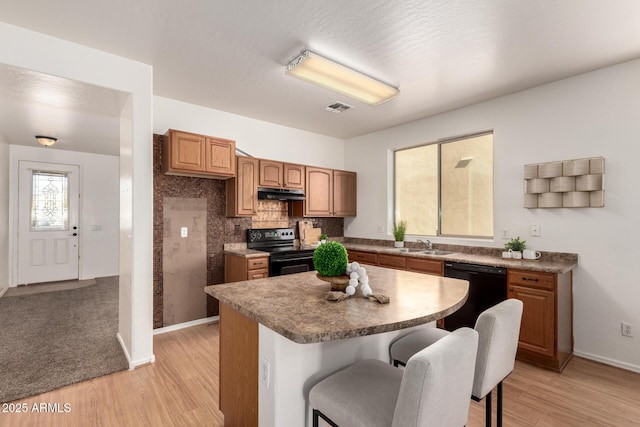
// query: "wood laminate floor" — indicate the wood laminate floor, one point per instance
point(181, 389)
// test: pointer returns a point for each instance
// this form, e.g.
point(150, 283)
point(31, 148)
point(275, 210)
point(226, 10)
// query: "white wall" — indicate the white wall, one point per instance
point(255, 137)
point(593, 114)
point(4, 213)
point(50, 55)
point(99, 205)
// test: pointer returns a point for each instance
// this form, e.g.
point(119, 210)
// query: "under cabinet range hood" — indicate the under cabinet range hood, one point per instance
point(279, 194)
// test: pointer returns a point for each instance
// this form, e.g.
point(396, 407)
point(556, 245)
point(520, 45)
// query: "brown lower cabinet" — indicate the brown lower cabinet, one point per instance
point(238, 268)
point(546, 331)
point(363, 257)
point(419, 265)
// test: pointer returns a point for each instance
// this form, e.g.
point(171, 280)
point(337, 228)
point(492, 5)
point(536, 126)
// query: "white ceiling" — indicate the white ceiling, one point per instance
point(442, 54)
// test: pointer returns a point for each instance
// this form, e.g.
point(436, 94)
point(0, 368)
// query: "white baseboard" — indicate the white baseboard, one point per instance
point(3, 290)
point(607, 361)
point(185, 325)
point(126, 352)
point(145, 361)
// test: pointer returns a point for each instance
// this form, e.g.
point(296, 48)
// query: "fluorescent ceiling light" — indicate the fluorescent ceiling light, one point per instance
point(323, 72)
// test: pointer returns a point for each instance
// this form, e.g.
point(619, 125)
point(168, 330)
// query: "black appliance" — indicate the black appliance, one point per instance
point(487, 287)
point(280, 194)
point(285, 257)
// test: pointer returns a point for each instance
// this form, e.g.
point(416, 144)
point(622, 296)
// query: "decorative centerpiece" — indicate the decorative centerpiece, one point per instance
point(399, 230)
point(330, 261)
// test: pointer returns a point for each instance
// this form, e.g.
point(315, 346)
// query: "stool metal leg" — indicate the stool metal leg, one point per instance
point(499, 410)
point(487, 416)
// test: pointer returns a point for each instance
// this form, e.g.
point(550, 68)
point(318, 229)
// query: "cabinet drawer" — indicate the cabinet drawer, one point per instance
point(363, 257)
point(392, 261)
point(257, 263)
point(258, 274)
point(428, 266)
point(534, 279)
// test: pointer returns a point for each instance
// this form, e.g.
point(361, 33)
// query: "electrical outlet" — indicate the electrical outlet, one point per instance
point(505, 233)
point(535, 230)
point(184, 232)
point(265, 373)
point(627, 329)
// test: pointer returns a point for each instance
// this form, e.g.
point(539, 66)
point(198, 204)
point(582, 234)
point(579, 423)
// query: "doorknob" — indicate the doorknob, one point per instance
point(74, 234)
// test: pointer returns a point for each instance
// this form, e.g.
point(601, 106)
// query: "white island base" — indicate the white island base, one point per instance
point(283, 391)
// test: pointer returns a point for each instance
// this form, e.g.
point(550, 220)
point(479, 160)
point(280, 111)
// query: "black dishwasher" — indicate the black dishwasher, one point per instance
point(487, 287)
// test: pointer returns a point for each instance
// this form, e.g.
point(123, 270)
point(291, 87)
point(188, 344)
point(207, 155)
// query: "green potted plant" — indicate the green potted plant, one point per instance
point(515, 246)
point(323, 238)
point(330, 259)
point(399, 230)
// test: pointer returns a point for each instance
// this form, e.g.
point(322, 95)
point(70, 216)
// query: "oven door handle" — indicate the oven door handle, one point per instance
point(290, 259)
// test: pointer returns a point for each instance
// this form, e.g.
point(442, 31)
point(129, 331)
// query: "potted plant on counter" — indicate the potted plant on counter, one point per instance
point(330, 261)
point(515, 246)
point(399, 230)
point(323, 238)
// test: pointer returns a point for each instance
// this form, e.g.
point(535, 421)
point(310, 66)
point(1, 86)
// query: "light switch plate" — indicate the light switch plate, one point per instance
point(535, 230)
point(184, 232)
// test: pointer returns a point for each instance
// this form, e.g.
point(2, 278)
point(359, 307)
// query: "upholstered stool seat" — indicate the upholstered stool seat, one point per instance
point(498, 328)
point(402, 349)
point(433, 390)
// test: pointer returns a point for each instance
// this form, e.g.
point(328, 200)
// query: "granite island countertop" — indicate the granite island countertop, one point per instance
point(294, 306)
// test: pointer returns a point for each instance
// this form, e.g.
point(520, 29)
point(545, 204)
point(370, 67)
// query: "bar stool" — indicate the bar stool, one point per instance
point(498, 328)
point(433, 390)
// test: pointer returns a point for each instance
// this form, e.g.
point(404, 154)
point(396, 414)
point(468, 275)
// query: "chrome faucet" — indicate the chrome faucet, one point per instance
point(428, 244)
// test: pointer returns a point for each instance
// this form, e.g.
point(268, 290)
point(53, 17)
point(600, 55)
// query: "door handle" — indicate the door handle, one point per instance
point(74, 234)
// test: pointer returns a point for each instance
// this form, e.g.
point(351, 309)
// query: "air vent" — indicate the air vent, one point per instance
point(337, 107)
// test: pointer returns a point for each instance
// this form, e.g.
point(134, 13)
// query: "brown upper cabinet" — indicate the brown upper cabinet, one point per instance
point(242, 191)
point(294, 176)
point(330, 193)
point(344, 193)
point(192, 154)
point(281, 175)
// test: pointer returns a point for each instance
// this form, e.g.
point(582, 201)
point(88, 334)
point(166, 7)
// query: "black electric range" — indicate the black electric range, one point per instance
point(285, 256)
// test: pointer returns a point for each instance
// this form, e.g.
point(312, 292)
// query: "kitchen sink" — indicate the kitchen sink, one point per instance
point(435, 252)
point(426, 251)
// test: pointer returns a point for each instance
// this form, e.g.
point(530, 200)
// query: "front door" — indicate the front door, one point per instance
point(47, 222)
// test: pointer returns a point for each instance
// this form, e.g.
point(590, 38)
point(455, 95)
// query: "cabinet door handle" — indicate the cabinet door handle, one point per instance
point(528, 279)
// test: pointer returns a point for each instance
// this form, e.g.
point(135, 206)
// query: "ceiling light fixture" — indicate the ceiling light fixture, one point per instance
point(46, 141)
point(313, 68)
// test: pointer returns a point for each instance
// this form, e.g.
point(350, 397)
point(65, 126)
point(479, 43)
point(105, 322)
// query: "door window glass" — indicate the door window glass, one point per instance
point(49, 201)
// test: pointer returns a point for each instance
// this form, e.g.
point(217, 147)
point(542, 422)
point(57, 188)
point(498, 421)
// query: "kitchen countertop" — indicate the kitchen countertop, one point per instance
point(294, 305)
point(247, 253)
point(550, 263)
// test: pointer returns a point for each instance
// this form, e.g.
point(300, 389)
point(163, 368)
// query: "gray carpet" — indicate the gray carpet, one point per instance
point(54, 339)
point(39, 288)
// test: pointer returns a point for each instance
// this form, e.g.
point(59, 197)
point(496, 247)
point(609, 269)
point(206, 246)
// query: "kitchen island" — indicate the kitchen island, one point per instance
point(279, 336)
